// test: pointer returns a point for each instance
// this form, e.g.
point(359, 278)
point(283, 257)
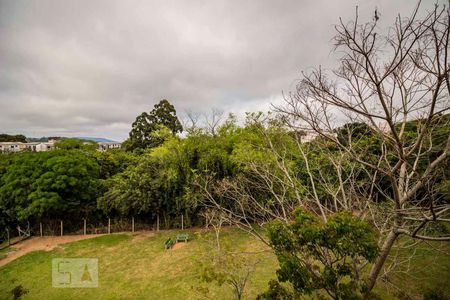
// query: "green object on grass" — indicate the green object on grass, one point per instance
point(182, 237)
point(168, 244)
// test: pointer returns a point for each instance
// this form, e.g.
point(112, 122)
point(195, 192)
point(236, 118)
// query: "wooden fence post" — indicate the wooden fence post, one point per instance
point(84, 226)
point(109, 225)
point(132, 224)
point(7, 235)
point(182, 222)
point(62, 228)
point(157, 222)
point(40, 228)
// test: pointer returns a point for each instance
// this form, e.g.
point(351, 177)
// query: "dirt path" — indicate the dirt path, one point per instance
point(45, 243)
point(139, 236)
point(178, 246)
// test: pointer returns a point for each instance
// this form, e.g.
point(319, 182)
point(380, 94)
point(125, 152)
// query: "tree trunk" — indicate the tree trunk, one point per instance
point(378, 265)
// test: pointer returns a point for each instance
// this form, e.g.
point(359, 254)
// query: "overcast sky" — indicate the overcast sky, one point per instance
point(88, 68)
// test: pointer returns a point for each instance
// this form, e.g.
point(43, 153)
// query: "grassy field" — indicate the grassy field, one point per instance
point(424, 266)
point(138, 267)
point(135, 268)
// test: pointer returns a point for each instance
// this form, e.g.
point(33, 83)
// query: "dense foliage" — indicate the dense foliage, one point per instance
point(256, 170)
point(314, 255)
point(48, 185)
point(74, 143)
point(12, 138)
point(57, 184)
point(166, 179)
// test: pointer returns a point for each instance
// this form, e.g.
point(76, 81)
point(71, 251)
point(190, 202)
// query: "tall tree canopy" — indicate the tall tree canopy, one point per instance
point(142, 134)
point(12, 138)
point(49, 184)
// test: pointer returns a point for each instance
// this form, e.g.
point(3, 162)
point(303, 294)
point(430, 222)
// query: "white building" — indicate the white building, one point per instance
point(310, 135)
point(47, 146)
point(103, 146)
point(32, 146)
point(19, 146)
point(12, 146)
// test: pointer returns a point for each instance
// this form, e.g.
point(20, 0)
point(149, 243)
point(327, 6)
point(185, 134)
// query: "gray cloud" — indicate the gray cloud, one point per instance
point(89, 67)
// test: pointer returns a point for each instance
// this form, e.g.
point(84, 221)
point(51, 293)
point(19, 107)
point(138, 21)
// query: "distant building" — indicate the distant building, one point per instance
point(40, 146)
point(48, 146)
point(34, 146)
point(310, 135)
point(12, 146)
point(103, 146)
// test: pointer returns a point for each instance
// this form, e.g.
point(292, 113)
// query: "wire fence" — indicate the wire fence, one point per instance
point(10, 236)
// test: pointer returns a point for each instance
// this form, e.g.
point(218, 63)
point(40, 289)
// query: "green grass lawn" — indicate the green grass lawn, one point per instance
point(424, 266)
point(139, 268)
point(136, 268)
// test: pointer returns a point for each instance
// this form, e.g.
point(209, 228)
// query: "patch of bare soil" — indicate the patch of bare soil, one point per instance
point(142, 235)
point(45, 243)
point(178, 246)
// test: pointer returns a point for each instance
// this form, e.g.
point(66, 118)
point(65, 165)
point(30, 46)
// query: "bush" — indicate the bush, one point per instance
point(18, 292)
point(326, 258)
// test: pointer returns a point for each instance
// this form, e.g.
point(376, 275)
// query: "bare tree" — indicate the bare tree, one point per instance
point(387, 81)
point(213, 120)
point(269, 187)
point(229, 268)
point(191, 120)
point(223, 266)
point(215, 218)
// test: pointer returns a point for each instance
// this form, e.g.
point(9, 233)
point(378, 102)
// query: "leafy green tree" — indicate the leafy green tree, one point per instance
point(141, 136)
point(161, 180)
point(49, 185)
point(323, 257)
point(69, 143)
point(154, 185)
point(352, 131)
point(134, 191)
point(113, 162)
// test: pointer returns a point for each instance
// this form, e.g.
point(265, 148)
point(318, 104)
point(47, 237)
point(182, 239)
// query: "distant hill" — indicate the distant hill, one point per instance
point(42, 139)
point(95, 139)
